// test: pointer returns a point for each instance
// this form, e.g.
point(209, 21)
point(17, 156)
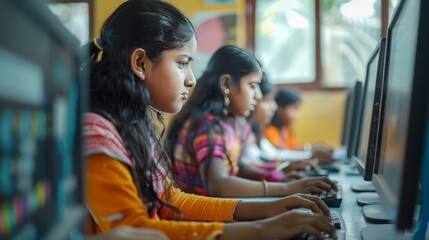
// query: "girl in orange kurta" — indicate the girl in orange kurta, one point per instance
point(278, 132)
point(140, 67)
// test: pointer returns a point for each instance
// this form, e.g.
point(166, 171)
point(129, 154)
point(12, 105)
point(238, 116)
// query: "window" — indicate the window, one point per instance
point(285, 39)
point(350, 30)
point(316, 44)
point(76, 15)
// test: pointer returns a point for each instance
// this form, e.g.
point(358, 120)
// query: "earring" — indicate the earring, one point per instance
point(226, 98)
point(141, 73)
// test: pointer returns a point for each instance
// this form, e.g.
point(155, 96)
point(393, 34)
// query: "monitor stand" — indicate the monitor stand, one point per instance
point(351, 170)
point(367, 198)
point(376, 214)
point(363, 187)
point(384, 231)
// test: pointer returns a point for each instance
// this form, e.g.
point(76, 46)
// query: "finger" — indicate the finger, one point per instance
point(320, 204)
point(329, 181)
point(307, 228)
point(323, 224)
point(310, 202)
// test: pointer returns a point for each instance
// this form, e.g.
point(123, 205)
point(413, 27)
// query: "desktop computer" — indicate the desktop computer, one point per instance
point(364, 155)
point(42, 97)
point(404, 118)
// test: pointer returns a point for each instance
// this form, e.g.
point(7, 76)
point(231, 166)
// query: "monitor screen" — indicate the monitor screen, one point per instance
point(356, 99)
point(370, 113)
point(405, 107)
point(41, 102)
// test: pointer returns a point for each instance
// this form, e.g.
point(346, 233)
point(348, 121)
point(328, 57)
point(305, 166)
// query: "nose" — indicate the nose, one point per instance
point(274, 106)
point(258, 93)
point(190, 80)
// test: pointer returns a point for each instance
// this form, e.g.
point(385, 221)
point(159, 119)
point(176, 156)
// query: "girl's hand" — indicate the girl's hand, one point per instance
point(310, 185)
point(292, 223)
point(292, 176)
point(323, 156)
point(303, 164)
point(285, 204)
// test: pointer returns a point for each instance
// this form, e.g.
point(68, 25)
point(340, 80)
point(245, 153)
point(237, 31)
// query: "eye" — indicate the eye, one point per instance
point(254, 85)
point(183, 64)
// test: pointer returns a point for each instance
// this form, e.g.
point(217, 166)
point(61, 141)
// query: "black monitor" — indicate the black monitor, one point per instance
point(353, 115)
point(370, 113)
point(405, 111)
point(42, 98)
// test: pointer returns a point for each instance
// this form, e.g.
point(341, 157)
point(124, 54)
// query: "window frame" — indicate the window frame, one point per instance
point(317, 84)
point(90, 12)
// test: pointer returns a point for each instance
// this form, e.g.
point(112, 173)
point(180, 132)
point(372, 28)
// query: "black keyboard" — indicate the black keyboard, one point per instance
point(331, 167)
point(332, 198)
point(340, 232)
point(313, 173)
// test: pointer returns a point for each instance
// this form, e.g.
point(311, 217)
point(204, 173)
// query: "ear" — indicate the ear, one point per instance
point(137, 61)
point(225, 81)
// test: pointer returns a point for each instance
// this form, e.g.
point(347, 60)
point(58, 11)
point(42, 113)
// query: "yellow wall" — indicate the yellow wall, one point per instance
point(103, 8)
point(321, 118)
point(322, 112)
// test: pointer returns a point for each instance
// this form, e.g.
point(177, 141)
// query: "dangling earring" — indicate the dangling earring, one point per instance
point(227, 102)
point(226, 98)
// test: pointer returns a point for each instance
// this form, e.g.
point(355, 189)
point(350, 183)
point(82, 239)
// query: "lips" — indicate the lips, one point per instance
point(252, 107)
point(184, 96)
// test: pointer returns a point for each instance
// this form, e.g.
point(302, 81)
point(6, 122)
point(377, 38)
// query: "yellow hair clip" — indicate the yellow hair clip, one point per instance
point(98, 44)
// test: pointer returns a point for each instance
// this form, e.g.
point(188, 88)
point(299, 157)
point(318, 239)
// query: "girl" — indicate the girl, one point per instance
point(140, 67)
point(269, 156)
point(278, 131)
point(209, 134)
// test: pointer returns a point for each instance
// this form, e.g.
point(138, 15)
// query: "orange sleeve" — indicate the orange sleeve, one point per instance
point(291, 142)
point(272, 134)
point(113, 201)
point(201, 208)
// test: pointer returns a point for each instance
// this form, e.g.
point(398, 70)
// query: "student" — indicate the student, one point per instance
point(140, 67)
point(211, 131)
point(278, 132)
point(269, 156)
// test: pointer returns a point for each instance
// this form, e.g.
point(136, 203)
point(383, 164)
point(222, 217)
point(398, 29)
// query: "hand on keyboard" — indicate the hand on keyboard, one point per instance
point(295, 222)
point(336, 221)
point(310, 185)
point(331, 198)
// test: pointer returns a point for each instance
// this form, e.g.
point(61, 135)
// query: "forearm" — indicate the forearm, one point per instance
point(245, 230)
point(252, 173)
point(232, 186)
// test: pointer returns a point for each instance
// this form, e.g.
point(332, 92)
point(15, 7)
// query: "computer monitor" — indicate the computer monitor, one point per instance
point(405, 111)
point(352, 125)
point(370, 113)
point(42, 97)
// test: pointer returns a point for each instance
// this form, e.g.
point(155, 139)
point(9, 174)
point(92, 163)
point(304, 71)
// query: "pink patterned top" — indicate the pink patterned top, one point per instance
point(188, 155)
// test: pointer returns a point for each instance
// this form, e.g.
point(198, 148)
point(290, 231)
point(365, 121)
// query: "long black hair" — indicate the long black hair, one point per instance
point(121, 97)
point(208, 98)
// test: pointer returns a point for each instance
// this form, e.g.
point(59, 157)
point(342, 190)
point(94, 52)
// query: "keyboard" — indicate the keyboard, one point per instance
point(313, 173)
point(332, 198)
point(340, 232)
point(331, 167)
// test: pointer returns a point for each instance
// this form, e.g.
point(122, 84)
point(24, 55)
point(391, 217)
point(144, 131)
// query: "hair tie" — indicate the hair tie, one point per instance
point(98, 44)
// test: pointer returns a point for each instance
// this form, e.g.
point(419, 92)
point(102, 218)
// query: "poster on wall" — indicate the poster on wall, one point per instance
point(218, 1)
point(214, 29)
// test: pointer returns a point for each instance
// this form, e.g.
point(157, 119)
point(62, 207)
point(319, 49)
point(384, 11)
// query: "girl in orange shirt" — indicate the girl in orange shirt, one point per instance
point(139, 68)
point(278, 132)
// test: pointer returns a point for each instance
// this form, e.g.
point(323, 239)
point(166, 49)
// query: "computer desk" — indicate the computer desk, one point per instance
point(350, 211)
